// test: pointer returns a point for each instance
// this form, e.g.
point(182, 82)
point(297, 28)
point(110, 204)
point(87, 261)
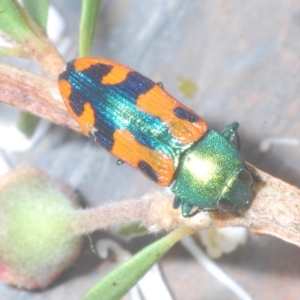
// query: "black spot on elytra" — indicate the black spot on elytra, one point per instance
point(184, 114)
point(137, 83)
point(147, 170)
point(69, 69)
point(96, 72)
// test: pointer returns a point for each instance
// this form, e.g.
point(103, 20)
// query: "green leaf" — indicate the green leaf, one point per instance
point(27, 124)
point(89, 17)
point(38, 10)
point(12, 51)
point(15, 23)
point(120, 281)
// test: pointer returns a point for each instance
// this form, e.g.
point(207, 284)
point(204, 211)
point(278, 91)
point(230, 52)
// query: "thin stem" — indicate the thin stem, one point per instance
point(13, 51)
point(275, 211)
point(34, 93)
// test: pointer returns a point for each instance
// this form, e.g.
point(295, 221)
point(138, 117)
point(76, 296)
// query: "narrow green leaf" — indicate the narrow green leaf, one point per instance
point(38, 10)
point(27, 124)
point(89, 19)
point(120, 281)
point(12, 51)
point(15, 22)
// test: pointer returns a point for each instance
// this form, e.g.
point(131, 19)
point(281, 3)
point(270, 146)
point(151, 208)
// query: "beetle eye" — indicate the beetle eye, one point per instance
point(246, 177)
point(225, 204)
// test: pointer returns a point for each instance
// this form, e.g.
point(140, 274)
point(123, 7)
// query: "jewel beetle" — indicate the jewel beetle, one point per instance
point(136, 120)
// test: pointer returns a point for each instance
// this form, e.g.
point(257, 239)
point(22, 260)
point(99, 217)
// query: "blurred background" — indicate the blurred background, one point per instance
point(228, 61)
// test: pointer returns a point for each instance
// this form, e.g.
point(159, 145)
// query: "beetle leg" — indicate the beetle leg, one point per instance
point(238, 141)
point(120, 162)
point(177, 202)
point(230, 132)
point(160, 84)
point(254, 174)
point(186, 210)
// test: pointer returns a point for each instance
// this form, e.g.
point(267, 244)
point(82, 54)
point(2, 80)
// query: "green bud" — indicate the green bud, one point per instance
point(36, 243)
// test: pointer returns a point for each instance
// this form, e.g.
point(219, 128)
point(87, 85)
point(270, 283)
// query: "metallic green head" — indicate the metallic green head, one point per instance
point(212, 175)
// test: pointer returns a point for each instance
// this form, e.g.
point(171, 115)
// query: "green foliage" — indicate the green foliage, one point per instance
point(15, 22)
point(35, 220)
point(38, 10)
point(89, 17)
point(27, 124)
point(120, 281)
